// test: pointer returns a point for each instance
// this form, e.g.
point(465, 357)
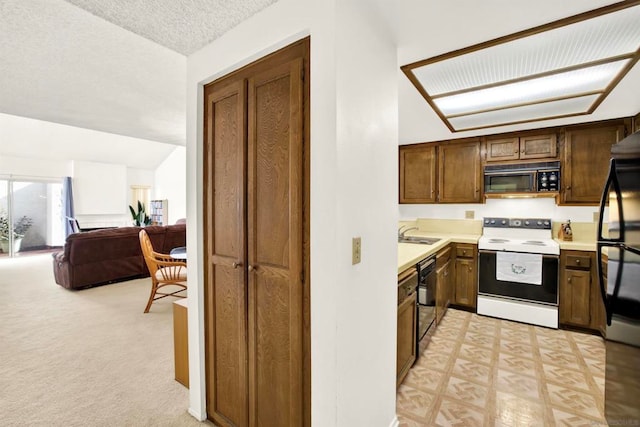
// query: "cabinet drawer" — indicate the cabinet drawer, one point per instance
point(407, 286)
point(464, 251)
point(579, 261)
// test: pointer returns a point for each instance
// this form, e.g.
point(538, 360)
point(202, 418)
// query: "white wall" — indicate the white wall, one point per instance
point(171, 183)
point(366, 197)
point(515, 208)
point(353, 362)
point(99, 188)
point(29, 167)
point(53, 142)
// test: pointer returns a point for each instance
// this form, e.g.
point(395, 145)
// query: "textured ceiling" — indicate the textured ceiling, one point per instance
point(181, 25)
point(116, 66)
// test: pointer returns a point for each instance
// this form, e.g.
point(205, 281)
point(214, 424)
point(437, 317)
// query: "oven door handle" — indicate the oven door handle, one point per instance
point(489, 251)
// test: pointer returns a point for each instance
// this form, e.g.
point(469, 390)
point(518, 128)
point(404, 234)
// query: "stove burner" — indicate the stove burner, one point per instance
point(535, 243)
point(498, 240)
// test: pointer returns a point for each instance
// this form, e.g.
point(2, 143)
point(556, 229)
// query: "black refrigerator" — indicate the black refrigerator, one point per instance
point(620, 282)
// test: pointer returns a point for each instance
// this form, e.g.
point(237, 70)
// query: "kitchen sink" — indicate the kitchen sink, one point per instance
point(421, 240)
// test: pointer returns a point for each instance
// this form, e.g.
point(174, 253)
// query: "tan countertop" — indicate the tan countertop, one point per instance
point(409, 254)
point(577, 245)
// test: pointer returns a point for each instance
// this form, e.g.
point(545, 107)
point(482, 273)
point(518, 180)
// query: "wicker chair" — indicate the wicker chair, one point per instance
point(164, 270)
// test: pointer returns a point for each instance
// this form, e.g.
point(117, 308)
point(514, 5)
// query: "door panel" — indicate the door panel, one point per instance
point(275, 141)
point(502, 149)
point(225, 290)
point(272, 117)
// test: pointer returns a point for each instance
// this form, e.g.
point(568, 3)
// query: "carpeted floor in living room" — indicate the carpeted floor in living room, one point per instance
point(85, 358)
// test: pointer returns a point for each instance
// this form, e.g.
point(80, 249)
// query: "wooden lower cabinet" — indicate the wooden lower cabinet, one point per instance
point(444, 288)
point(256, 237)
point(181, 342)
point(466, 275)
point(580, 302)
point(407, 324)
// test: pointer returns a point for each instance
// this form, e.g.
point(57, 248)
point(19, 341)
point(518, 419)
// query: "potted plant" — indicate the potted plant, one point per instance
point(19, 229)
point(140, 217)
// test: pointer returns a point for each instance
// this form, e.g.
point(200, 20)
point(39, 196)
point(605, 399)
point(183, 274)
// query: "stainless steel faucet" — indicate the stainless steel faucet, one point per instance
point(402, 231)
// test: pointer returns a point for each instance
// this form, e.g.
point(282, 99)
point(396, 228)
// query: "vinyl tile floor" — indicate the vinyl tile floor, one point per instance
point(480, 371)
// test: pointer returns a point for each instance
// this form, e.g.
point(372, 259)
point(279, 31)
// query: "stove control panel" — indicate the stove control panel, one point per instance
point(522, 223)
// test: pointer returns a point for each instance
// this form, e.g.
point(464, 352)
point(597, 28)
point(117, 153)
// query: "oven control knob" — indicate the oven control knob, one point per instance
point(546, 223)
point(493, 221)
point(539, 222)
point(486, 221)
point(504, 222)
point(526, 223)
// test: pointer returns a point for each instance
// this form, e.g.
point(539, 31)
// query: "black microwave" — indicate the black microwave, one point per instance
point(522, 178)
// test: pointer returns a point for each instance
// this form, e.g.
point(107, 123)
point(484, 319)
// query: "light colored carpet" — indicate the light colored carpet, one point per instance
point(85, 358)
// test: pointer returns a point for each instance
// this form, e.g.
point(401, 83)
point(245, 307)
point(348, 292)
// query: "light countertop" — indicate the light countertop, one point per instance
point(577, 245)
point(409, 254)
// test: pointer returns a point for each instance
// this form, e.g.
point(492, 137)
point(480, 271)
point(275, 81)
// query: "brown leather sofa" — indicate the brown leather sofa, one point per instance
point(110, 255)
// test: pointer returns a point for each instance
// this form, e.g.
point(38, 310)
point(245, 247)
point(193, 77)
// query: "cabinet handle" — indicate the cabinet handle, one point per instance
point(464, 252)
point(569, 279)
point(236, 264)
point(577, 261)
point(470, 269)
point(253, 267)
point(568, 187)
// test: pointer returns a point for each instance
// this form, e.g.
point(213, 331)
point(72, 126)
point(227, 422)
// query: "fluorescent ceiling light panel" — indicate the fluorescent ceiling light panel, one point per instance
point(526, 113)
point(581, 55)
point(562, 85)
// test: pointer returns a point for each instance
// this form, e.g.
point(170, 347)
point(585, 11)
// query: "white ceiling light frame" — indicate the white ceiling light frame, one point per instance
point(561, 69)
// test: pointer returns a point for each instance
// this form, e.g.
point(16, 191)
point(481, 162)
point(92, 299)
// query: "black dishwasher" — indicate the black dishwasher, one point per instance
point(426, 297)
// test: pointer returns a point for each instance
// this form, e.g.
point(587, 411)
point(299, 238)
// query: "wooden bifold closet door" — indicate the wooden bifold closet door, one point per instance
point(256, 223)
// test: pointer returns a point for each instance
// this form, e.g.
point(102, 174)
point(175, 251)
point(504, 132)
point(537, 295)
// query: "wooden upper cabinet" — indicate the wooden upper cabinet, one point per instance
point(500, 149)
point(459, 172)
point(587, 151)
point(418, 173)
point(540, 146)
point(636, 123)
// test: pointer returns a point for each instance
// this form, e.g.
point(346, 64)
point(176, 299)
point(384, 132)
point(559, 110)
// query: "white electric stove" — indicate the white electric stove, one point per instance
point(518, 271)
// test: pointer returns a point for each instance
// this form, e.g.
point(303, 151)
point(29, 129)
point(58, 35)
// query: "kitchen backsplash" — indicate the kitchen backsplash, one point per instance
point(514, 208)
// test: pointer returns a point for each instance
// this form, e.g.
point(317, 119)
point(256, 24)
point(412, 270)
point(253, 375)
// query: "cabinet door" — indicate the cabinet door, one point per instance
point(406, 350)
point(575, 297)
point(443, 290)
point(440, 293)
point(418, 174)
point(500, 149)
point(538, 146)
point(586, 163)
point(275, 263)
point(465, 282)
point(459, 172)
point(225, 277)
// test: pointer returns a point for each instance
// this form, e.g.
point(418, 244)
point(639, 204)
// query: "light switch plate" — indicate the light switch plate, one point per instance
point(356, 250)
point(469, 214)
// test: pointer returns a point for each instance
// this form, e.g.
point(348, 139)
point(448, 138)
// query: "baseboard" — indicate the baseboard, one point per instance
point(395, 422)
point(198, 416)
